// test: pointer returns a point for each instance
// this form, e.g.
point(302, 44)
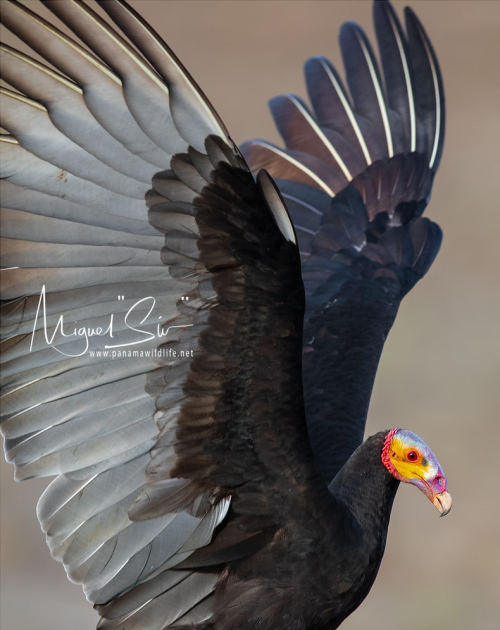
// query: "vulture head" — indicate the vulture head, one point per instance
point(408, 458)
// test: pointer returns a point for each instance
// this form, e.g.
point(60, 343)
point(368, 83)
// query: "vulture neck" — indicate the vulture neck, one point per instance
point(367, 489)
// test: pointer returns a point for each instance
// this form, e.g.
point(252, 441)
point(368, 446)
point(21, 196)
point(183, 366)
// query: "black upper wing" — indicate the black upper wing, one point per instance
point(356, 175)
point(197, 430)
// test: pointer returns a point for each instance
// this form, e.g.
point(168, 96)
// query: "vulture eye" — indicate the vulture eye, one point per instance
point(412, 456)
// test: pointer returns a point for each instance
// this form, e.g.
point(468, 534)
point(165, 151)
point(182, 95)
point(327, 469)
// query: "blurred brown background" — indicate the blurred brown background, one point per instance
point(439, 371)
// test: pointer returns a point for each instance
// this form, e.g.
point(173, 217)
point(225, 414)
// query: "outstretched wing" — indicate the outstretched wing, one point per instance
point(151, 361)
point(356, 174)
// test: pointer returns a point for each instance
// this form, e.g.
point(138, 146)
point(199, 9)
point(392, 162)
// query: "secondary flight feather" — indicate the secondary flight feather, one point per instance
point(190, 349)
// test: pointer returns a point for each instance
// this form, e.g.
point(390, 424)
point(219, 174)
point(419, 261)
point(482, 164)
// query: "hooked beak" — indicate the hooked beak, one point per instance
point(442, 502)
point(435, 490)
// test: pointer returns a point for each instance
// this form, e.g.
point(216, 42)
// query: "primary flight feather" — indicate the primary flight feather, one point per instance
point(190, 350)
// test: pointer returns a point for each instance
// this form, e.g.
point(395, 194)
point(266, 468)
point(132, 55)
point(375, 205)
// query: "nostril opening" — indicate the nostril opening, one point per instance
point(440, 481)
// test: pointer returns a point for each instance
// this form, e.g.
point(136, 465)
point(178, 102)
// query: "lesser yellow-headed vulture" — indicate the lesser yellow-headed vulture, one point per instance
point(191, 333)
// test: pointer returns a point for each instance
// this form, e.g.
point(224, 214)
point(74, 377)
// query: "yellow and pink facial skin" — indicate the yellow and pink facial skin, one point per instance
point(409, 459)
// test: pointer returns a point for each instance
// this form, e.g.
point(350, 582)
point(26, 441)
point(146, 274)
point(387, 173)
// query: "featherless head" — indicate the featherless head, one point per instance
point(408, 458)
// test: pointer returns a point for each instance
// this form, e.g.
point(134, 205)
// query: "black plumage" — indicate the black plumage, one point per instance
point(212, 473)
point(364, 247)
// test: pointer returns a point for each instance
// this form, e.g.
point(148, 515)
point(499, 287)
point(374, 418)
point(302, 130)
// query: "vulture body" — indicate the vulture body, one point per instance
point(190, 350)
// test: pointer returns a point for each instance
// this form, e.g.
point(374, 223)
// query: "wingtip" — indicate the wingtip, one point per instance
point(417, 32)
point(311, 64)
point(347, 26)
point(409, 13)
point(411, 18)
